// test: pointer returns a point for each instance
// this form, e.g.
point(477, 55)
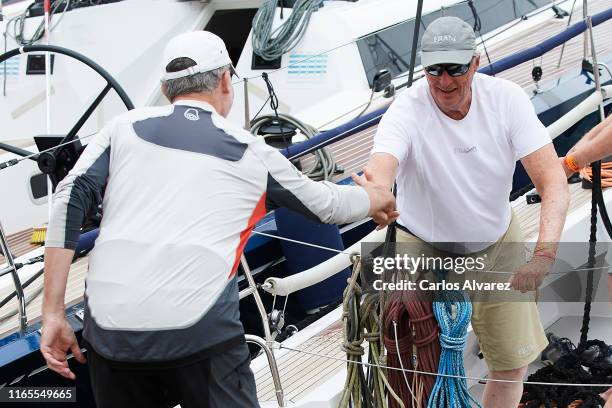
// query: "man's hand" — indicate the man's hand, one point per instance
point(57, 337)
point(382, 201)
point(530, 276)
point(567, 170)
point(607, 396)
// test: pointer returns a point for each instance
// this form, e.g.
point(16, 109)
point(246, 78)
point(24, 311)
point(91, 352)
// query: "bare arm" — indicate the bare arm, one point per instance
point(322, 201)
point(57, 266)
point(57, 335)
point(547, 175)
point(383, 168)
point(76, 195)
point(595, 145)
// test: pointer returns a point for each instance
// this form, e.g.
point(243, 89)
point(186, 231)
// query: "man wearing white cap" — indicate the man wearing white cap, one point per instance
point(183, 190)
point(452, 141)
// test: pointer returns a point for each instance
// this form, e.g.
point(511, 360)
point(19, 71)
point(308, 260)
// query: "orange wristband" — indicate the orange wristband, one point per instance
point(571, 164)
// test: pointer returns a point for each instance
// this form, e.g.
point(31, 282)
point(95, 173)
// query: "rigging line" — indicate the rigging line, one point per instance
point(569, 21)
point(440, 374)
point(478, 27)
point(295, 241)
point(557, 273)
point(260, 109)
point(337, 137)
point(13, 162)
point(519, 21)
point(375, 98)
point(4, 65)
point(30, 156)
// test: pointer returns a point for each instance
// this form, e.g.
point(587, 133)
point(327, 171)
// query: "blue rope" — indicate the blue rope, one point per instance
point(452, 392)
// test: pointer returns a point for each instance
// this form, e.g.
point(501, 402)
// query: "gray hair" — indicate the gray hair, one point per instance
point(200, 82)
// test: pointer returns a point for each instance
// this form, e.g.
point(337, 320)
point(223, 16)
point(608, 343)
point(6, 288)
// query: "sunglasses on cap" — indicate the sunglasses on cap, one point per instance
point(453, 70)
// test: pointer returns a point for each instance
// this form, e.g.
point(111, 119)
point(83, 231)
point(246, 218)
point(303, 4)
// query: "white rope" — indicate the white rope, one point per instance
point(399, 357)
point(444, 375)
point(550, 273)
point(295, 241)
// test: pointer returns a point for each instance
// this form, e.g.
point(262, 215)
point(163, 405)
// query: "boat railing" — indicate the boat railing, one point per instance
point(12, 269)
point(540, 49)
point(267, 344)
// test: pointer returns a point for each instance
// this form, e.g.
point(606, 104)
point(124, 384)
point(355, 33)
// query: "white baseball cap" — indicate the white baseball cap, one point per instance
point(206, 49)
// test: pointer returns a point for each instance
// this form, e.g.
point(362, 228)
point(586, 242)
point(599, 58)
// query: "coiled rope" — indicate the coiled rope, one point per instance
point(411, 340)
point(606, 174)
point(361, 321)
point(324, 166)
point(571, 367)
point(453, 311)
point(287, 35)
point(15, 27)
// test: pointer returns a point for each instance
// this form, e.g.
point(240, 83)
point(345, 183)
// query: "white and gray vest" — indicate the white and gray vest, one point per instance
point(183, 188)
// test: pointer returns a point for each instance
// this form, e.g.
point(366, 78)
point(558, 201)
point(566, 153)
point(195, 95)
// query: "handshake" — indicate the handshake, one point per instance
point(382, 201)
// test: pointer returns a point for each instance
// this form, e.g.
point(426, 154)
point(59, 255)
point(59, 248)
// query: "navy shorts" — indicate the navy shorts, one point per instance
point(224, 380)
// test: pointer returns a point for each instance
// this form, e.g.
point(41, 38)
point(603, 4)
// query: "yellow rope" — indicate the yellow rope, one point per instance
point(360, 323)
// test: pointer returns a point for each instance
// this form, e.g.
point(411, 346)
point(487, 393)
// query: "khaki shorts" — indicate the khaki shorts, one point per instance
point(510, 333)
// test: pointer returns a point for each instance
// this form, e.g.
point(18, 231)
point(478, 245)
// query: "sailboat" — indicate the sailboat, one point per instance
point(318, 81)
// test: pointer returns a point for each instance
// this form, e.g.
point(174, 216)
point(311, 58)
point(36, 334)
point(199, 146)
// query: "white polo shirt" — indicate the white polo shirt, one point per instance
point(455, 176)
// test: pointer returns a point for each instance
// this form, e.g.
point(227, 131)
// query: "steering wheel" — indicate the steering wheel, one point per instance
point(47, 161)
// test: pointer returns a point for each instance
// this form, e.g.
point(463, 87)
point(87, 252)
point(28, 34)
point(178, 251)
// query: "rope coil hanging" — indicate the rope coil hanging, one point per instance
point(606, 174)
point(453, 311)
point(413, 344)
point(287, 35)
point(361, 321)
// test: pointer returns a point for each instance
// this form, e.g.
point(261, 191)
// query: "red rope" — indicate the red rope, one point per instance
point(416, 329)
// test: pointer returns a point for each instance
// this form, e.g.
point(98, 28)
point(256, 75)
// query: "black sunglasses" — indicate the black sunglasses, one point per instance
point(453, 70)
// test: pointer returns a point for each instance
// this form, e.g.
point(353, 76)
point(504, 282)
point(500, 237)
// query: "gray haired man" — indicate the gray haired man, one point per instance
point(184, 187)
point(453, 141)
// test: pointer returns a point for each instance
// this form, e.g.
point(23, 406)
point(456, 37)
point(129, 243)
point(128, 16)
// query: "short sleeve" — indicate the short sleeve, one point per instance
point(527, 133)
point(393, 133)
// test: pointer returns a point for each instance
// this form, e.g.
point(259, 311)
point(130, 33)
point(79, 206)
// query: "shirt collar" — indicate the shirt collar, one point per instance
point(195, 104)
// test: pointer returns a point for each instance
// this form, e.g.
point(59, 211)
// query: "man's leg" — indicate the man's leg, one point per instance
point(507, 324)
point(510, 337)
point(117, 385)
point(504, 395)
point(224, 380)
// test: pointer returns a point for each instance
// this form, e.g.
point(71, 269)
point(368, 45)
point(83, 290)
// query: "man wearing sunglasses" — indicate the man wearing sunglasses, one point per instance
point(451, 143)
